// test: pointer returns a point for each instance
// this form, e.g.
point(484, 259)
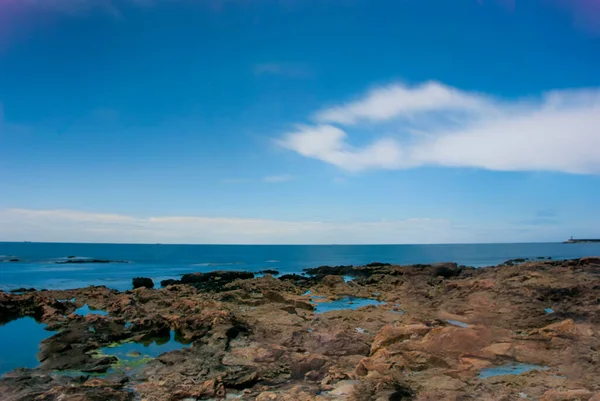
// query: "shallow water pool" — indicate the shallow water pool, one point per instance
point(85, 310)
point(20, 343)
point(457, 323)
point(346, 303)
point(509, 369)
point(132, 355)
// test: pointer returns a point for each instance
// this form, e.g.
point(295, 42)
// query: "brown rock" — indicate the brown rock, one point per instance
point(566, 328)
point(498, 349)
point(390, 334)
point(332, 281)
point(567, 395)
point(449, 340)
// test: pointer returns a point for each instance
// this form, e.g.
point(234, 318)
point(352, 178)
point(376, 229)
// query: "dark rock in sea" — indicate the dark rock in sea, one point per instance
point(21, 290)
point(331, 270)
point(81, 261)
point(269, 271)
point(294, 277)
point(170, 281)
point(378, 264)
point(212, 281)
point(14, 260)
point(143, 282)
point(71, 257)
point(512, 262)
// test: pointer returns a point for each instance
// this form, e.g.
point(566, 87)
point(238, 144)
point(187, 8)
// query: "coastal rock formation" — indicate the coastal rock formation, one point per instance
point(523, 330)
point(139, 282)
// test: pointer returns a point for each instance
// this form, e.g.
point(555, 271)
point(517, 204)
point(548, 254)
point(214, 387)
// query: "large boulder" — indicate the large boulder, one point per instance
point(139, 282)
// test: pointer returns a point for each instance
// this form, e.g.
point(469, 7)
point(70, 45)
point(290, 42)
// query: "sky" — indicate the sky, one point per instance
point(299, 121)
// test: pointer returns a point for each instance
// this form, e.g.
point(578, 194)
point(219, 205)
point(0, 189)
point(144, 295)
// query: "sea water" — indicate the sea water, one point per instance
point(37, 265)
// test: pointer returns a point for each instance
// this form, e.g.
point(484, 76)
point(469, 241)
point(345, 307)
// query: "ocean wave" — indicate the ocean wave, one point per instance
point(272, 261)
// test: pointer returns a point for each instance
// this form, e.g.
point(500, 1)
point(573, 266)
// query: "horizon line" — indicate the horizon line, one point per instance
point(243, 244)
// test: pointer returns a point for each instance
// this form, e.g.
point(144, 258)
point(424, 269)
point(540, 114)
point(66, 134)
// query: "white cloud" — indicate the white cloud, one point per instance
point(328, 143)
point(396, 100)
point(77, 226)
point(436, 125)
point(278, 178)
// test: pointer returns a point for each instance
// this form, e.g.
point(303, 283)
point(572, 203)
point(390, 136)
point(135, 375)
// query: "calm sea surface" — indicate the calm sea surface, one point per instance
point(37, 267)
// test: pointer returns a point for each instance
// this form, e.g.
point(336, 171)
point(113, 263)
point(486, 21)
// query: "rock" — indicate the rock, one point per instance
point(165, 283)
point(344, 387)
point(14, 260)
point(258, 338)
point(390, 335)
point(447, 270)
point(330, 270)
point(377, 264)
point(215, 281)
point(139, 282)
point(23, 290)
point(80, 261)
point(269, 271)
point(566, 328)
point(456, 340)
point(332, 281)
point(567, 395)
point(513, 262)
point(499, 350)
point(298, 279)
point(594, 260)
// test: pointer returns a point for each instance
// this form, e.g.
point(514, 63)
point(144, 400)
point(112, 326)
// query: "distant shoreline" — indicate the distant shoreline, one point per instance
point(580, 241)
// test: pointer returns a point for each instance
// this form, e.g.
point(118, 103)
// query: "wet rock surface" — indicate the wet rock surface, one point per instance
point(429, 332)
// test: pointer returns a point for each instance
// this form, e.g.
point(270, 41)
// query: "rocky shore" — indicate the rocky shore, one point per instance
point(527, 330)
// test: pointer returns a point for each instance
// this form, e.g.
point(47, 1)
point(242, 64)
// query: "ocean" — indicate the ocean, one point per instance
point(37, 267)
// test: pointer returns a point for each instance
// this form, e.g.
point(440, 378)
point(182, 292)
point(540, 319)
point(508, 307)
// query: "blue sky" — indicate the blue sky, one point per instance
point(295, 121)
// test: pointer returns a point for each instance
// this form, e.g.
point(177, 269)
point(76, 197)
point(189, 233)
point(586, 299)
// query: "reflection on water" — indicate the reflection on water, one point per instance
point(19, 345)
point(133, 355)
point(85, 310)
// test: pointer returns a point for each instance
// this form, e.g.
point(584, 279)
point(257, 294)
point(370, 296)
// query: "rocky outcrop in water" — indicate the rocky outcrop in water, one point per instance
point(139, 282)
point(430, 332)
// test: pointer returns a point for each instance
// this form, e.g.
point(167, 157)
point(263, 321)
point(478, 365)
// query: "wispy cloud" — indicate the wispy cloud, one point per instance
point(278, 178)
point(80, 226)
point(436, 125)
point(77, 226)
point(291, 70)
